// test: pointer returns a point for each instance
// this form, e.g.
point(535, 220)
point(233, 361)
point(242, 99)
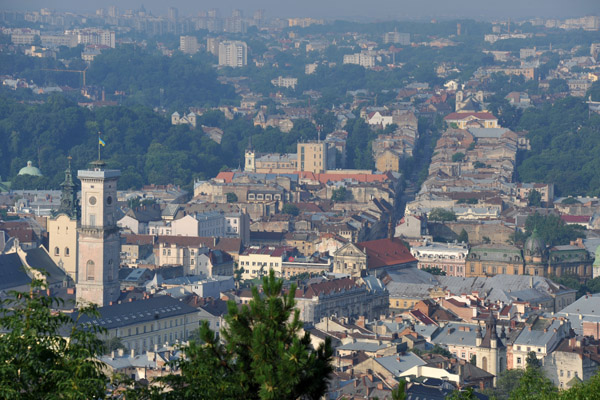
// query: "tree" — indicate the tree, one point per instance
point(263, 355)
point(532, 360)
point(232, 197)
point(534, 198)
point(533, 384)
point(458, 157)
point(463, 237)
point(37, 361)
point(434, 271)
point(466, 394)
point(441, 215)
point(399, 392)
point(291, 209)
point(339, 194)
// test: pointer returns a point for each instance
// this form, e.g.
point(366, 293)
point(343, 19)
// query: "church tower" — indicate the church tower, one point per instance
point(62, 228)
point(99, 239)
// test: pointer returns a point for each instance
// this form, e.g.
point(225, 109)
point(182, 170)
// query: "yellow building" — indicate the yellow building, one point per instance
point(388, 160)
point(62, 229)
point(312, 156)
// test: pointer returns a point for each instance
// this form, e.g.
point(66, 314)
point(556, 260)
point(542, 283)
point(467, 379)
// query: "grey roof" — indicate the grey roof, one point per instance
point(12, 274)
point(488, 132)
point(412, 275)
point(138, 311)
point(537, 337)
point(586, 306)
point(452, 334)
point(39, 259)
point(399, 364)
point(363, 346)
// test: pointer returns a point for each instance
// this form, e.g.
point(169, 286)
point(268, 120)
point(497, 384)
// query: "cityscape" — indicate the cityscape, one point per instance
point(233, 203)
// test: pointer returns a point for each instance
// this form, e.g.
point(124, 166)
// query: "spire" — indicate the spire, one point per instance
point(68, 197)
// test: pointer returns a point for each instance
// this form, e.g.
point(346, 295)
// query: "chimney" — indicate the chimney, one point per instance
point(132, 353)
point(112, 354)
point(380, 385)
point(120, 352)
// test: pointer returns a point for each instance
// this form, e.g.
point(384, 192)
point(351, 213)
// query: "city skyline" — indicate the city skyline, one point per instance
point(336, 9)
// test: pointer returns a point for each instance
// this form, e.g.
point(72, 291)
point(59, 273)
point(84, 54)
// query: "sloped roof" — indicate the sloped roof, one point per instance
point(386, 252)
point(12, 275)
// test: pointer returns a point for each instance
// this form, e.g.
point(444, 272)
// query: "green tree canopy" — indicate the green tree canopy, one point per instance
point(263, 355)
point(291, 209)
point(37, 361)
point(441, 215)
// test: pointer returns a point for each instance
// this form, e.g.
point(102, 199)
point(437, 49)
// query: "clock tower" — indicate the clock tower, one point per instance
point(99, 239)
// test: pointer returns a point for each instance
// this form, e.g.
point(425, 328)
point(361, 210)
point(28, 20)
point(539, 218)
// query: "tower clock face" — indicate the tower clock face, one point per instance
point(92, 200)
point(109, 200)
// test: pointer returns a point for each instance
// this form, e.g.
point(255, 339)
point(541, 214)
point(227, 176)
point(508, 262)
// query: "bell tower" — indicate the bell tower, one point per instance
point(99, 238)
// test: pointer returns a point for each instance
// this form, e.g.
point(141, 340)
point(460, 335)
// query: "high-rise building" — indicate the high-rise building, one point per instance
point(233, 54)
point(397, 38)
point(173, 14)
point(188, 44)
point(212, 45)
point(99, 238)
point(112, 11)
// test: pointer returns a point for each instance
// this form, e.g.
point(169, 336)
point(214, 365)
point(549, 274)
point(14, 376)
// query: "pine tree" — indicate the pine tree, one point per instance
point(263, 355)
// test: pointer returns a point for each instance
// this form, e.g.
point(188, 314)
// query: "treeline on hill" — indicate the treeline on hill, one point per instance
point(143, 144)
point(565, 144)
point(151, 79)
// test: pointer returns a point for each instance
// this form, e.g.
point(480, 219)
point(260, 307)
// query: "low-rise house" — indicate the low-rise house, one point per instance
point(574, 360)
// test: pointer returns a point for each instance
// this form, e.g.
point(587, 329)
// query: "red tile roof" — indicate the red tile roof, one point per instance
point(386, 253)
point(576, 219)
point(422, 317)
point(325, 287)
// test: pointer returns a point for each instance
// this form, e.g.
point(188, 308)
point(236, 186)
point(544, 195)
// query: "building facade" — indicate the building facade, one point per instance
point(233, 54)
point(99, 238)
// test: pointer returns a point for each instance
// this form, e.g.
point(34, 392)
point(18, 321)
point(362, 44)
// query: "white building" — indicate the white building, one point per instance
point(257, 261)
point(233, 54)
point(450, 258)
point(285, 82)
point(362, 59)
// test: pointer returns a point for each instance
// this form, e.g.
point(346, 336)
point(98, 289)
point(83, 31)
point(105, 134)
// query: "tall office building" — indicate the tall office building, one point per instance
point(99, 238)
point(188, 44)
point(233, 54)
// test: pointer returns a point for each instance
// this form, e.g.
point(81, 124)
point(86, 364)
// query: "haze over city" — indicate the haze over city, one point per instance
point(344, 9)
point(283, 200)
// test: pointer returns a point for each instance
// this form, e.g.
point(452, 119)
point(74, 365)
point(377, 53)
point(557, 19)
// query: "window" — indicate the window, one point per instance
point(518, 360)
point(92, 220)
point(90, 272)
point(66, 252)
point(56, 251)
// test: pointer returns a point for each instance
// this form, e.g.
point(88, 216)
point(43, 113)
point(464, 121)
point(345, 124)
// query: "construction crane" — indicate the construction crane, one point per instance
point(82, 72)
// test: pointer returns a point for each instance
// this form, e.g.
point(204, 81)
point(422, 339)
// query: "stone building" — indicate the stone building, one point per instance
point(99, 239)
point(62, 228)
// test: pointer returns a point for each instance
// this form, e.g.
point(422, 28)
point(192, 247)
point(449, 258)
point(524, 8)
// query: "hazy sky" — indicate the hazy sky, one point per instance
point(381, 9)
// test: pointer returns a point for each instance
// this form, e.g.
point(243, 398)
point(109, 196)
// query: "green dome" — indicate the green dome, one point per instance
point(535, 245)
point(30, 170)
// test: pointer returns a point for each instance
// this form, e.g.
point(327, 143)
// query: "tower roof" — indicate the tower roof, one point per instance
point(30, 170)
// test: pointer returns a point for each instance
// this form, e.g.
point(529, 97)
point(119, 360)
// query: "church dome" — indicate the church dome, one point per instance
point(534, 245)
point(30, 170)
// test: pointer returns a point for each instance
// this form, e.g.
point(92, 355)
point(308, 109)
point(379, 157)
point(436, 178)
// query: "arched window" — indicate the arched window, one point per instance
point(484, 364)
point(90, 272)
point(56, 251)
point(67, 252)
